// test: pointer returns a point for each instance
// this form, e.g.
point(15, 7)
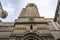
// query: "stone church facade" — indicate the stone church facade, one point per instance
point(29, 26)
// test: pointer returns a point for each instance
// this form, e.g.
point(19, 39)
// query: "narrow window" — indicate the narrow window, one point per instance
point(31, 27)
point(31, 4)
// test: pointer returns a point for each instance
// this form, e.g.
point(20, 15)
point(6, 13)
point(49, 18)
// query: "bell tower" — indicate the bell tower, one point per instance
point(31, 10)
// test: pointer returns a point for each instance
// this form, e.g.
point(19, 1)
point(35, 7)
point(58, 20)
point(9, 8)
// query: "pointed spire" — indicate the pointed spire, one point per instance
point(0, 5)
point(0, 9)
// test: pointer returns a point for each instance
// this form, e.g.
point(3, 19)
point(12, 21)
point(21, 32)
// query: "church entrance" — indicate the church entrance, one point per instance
point(31, 36)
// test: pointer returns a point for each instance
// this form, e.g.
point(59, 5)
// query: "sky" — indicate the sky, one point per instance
point(46, 8)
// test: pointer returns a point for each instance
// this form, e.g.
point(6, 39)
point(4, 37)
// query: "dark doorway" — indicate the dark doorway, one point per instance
point(31, 39)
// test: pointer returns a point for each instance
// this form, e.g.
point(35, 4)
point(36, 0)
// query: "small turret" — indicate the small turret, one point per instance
point(3, 13)
point(31, 10)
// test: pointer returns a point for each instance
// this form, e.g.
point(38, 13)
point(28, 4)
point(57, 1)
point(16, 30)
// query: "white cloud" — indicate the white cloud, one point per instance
point(9, 8)
point(45, 2)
